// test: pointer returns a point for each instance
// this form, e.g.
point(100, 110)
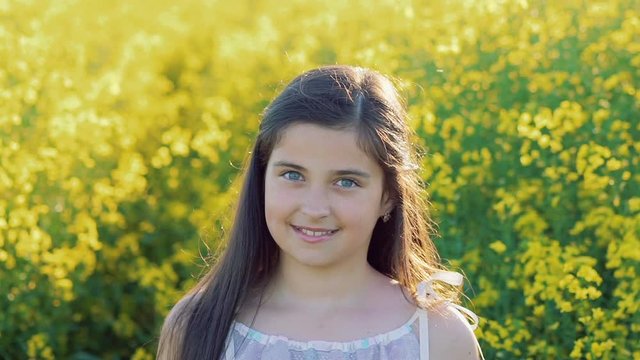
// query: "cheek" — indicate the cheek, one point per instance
point(277, 202)
point(361, 211)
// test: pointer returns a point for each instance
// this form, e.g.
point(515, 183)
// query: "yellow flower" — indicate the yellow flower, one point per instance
point(162, 157)
point(498, 246)
point(565, 306)
point(526, 160)
point(142, 354)
point(598, 314)
point(614, 164)
point(37, 347)
point(599, 348)
point(538, 310)
point(589, 274)
point(576, 353)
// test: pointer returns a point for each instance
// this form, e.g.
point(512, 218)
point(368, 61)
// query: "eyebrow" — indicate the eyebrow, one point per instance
point(341, 172)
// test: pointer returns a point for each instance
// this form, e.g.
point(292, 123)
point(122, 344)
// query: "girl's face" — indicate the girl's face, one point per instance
point(323, 196)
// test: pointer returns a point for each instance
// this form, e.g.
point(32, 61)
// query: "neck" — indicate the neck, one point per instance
point(322, 287)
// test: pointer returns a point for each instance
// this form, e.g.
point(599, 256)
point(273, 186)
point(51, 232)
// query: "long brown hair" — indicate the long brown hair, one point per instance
point(337, 97)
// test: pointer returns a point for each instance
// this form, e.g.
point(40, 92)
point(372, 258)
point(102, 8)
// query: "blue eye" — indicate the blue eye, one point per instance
point(292, 175)
point(347, 183)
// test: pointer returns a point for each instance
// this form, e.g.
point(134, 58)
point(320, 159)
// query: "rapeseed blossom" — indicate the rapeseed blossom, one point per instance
point(123, 126)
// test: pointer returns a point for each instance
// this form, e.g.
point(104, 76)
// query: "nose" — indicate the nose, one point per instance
point(315, 203)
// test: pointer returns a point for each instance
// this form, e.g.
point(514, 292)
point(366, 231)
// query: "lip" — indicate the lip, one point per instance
point(313, 239)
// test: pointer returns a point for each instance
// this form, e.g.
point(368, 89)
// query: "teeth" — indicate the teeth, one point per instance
point(315, 233)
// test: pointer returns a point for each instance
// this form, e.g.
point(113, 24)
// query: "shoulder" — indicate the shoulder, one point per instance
point(450, 335)
point(173, 328)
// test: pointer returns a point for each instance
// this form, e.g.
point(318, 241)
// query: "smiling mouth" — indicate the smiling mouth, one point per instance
point(314, 232)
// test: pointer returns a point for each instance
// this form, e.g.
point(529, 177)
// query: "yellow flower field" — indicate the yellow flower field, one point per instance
point(124, 124)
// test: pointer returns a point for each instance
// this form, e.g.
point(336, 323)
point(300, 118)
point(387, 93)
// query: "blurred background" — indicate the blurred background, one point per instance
point(124, 125)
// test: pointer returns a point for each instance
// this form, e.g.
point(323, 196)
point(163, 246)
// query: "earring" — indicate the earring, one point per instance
point(386, 217)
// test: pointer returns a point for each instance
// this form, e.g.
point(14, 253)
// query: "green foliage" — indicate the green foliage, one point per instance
point(123, 126)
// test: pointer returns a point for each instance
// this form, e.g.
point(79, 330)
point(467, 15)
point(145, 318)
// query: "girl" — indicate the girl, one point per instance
point(329, 256)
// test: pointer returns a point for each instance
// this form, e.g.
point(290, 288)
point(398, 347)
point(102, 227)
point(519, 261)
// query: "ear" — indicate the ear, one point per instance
point(386, 205)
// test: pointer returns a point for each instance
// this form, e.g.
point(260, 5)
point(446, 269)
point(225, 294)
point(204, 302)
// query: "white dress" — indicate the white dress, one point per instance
point(407, 342)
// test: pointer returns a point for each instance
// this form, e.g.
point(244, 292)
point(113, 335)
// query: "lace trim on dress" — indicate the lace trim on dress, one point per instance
point(424, 291)
point(347, 346)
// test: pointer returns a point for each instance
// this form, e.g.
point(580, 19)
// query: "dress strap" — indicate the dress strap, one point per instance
point(425, 291)
point(423, 318)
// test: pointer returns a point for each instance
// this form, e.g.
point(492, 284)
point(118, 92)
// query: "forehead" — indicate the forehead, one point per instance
point(310, 144)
